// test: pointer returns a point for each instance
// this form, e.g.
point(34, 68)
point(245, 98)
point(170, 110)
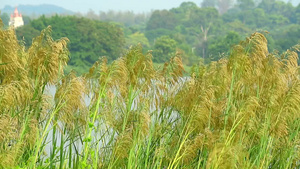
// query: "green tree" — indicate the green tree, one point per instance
point(155, 33)
point(164, 49)
point(5, 19)
point(221, 46)
point(267, 5)
point(224, 5)
point(273, 7)
point(187, 5)
point(128, 18)
point(202, 17)
point(255, 18)
point(245, 4)
point(25, 32)
point(89, 39)
point(296, 15)
point(26, 19)
point(136, 38)
point(162, 19)
point(287, 37)
point(203, 22)
point(182, 12)
point(238, 26)
point(208, 3)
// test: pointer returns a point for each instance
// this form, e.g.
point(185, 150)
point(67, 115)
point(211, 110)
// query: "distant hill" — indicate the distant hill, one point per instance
point(37, 10)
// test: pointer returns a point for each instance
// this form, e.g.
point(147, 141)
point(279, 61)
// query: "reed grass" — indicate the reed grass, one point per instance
point(242, 111)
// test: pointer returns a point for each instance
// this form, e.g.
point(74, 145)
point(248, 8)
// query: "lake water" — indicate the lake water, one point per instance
point(51, 90)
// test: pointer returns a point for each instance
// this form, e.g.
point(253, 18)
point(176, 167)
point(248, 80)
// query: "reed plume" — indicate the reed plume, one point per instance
point(70, 98)
point(47, 57)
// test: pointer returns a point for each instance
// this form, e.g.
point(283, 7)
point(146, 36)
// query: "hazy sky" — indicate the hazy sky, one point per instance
point(105, 5)
point(102, 5)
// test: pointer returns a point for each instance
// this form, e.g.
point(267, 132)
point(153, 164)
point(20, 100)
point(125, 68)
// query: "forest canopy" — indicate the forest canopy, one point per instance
point(200, 32)
point(89, 39)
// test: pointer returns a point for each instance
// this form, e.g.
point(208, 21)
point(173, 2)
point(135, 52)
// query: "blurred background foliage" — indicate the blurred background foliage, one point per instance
point(204, 32)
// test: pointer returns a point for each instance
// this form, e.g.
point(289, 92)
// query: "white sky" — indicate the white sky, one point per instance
point(102, 5)
point(105, 5)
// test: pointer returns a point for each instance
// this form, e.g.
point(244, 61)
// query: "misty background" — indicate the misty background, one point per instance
point(104, 5)
point(199, 30)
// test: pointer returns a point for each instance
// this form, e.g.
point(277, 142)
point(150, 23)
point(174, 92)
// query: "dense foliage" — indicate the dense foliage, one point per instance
point(242, 111)
point(5, 19)
point(201, 33)
point(213, 28)
point(89, 39)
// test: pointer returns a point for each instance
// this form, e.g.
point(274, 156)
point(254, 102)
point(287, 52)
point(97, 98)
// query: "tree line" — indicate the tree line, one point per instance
point(197, 32)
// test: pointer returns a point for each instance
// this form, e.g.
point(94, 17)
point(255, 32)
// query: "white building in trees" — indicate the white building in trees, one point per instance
point(16, 19)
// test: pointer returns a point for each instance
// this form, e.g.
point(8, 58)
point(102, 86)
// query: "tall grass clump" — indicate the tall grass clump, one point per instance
point(239, 112)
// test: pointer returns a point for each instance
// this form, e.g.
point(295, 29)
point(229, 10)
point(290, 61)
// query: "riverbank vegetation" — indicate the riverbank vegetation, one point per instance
point(239, 112)
point(202, 32)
